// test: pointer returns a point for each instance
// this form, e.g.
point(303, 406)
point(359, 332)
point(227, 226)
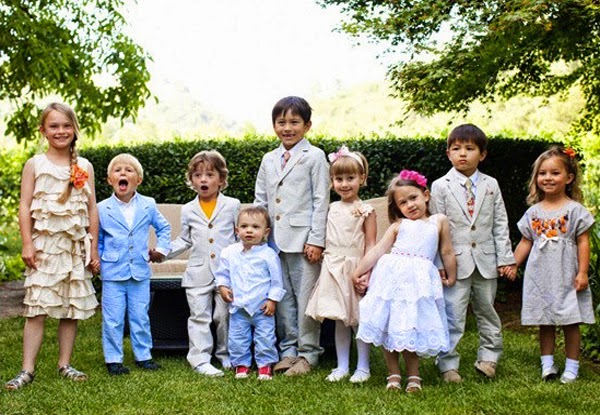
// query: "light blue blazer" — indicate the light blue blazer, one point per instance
point(124, 251)
point(206, 238)
point(297, 197)
point(480, 241)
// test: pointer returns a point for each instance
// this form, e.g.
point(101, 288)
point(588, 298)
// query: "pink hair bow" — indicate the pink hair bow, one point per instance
point(342, 151)
point(414, 176)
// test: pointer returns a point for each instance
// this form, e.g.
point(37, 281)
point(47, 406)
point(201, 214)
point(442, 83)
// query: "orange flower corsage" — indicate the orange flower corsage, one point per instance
point(570, 152)
point(79, 176)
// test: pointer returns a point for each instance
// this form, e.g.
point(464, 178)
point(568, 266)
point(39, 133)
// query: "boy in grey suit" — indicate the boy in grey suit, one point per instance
point(293, 184)
point(473, 203)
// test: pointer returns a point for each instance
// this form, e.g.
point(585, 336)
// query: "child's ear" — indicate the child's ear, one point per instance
point(570, 179)
point(483, 155)
point(427, 195)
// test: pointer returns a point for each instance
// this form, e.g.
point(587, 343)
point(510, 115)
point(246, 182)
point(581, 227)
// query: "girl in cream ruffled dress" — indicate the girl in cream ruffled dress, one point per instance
point(59, 228)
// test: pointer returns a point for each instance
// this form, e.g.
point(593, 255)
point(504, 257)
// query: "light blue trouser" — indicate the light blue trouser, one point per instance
point(243, 328)
point(299, 334)
point(117, 297)
point(482, 293)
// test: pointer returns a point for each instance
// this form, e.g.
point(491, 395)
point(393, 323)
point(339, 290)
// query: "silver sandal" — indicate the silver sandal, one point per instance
point(414, 384)
point(70, 372)
point(22, 379)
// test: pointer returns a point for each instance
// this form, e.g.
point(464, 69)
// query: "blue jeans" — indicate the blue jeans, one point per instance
point(243, 328)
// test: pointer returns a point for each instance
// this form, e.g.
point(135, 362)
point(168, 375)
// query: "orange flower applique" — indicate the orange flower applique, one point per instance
point(79, 176)
point(570, 152)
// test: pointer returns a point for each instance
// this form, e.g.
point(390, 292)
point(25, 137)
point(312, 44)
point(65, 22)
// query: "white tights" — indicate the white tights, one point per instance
point(343, 340)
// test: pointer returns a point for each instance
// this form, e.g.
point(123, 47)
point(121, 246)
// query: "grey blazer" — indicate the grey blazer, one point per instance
point(480, 241)
point(297, 197)
point(205, 237)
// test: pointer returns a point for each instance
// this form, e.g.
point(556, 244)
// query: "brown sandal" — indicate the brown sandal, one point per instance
point(22, 379)
point(70, 372)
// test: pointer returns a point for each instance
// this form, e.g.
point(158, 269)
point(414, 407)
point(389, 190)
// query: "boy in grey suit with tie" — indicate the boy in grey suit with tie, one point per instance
point(293, 184)
point(473, 203)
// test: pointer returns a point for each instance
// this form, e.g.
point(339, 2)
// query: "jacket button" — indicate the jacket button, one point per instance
point(278, 200)
point(212, 255)
point(210, 225)
point(277, 217)
point(473, 228)
point(211, 240)
point(473, 244)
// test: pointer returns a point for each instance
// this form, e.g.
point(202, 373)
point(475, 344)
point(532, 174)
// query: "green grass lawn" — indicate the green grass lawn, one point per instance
point(176, 389)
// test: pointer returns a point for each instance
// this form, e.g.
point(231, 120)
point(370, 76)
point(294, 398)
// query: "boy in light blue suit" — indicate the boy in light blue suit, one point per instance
point(293, 184)
point(473, 203)
point(125, 219)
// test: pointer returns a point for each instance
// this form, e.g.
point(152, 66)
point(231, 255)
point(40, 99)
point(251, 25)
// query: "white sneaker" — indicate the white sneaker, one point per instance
point(568, 377)
point(550, 373)
point(360, 376)
point(336, 375)
point(207, 369)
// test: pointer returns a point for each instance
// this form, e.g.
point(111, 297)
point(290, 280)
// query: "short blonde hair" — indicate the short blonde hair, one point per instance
point(126, 158)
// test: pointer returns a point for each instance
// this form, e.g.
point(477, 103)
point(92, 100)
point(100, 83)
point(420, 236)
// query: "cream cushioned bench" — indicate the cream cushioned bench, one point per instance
point(172, 212)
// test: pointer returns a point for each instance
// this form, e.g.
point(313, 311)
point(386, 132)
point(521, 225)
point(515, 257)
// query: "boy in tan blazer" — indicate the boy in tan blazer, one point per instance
point(207, 226)
point(293, 185)
point(473, 203)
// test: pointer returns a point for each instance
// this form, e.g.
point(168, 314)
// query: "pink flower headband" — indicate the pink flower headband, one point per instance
point(414, 176)
point(343, 151)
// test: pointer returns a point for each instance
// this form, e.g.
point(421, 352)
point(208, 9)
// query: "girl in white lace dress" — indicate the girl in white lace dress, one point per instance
point(59, 229)
point(351, 231)
point(556, 239)
point(403, 310)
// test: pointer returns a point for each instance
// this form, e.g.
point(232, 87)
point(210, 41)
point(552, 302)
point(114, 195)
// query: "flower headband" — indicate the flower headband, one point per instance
point(343, 151)
point(414, 176)
point(570, 152)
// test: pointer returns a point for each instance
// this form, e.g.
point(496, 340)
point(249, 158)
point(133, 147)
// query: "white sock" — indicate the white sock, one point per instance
point(572, 368)
point(363, 350)
point(343, 339)
point(547, 361)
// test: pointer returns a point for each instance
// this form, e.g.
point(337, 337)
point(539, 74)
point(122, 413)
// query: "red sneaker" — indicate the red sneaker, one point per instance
point(242, 372)
point(265, 373)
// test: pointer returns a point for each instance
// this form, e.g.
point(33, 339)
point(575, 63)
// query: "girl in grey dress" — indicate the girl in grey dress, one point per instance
point(555, 233)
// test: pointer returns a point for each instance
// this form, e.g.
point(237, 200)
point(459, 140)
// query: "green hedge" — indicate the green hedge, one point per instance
point(509, 161)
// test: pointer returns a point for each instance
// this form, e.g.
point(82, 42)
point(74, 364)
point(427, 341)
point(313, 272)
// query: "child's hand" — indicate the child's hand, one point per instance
point(28, 256)
point(155, 256)
point(447, 281)
point(362, 283)
point(269, 307)
point(226, 294)
point(581, 281)
point(508, 271)
point(313, 253)
point(94, 266)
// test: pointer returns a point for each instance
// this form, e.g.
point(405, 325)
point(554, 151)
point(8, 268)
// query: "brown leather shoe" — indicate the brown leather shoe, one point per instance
point(301, 367)
point(451, 376)
point(285, 363)
point(486, 368)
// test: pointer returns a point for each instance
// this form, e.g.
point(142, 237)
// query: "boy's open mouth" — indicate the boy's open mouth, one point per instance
point(204, 187)
point(123, 183)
